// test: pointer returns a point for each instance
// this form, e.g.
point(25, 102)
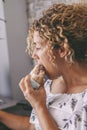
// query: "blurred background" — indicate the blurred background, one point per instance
point(16, 17)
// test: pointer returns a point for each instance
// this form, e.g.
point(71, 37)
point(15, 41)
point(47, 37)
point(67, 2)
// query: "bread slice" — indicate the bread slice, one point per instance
point(37, 76)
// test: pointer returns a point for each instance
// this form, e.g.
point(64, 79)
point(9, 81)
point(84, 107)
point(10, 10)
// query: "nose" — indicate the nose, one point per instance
point(35, 56)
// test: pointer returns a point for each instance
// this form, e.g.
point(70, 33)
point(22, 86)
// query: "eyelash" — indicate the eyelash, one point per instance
point(38, 48)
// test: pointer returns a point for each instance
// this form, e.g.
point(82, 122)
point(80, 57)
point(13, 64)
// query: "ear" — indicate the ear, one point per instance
point(62, 52)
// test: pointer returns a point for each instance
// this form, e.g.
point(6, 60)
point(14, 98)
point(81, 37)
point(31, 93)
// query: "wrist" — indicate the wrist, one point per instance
point(41, 109)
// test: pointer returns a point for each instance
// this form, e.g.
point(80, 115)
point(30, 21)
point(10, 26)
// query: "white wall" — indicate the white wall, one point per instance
point(20, 63)
point(5, 89)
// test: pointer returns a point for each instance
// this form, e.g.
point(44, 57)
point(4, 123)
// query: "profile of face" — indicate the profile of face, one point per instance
point(40, 54)
point(54, 29)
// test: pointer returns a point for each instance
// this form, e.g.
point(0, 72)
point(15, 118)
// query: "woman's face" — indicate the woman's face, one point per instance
point(41, 56)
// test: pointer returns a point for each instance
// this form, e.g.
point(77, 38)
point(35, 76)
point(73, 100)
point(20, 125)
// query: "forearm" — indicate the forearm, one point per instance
point(15, 122)
point(46, 120)
point(37, 99)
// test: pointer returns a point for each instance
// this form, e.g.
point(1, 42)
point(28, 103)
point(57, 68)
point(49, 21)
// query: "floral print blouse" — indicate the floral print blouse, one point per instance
point(68, 110)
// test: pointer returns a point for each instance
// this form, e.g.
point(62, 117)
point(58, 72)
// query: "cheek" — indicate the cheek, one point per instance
point(45, 57)
point(45, 60)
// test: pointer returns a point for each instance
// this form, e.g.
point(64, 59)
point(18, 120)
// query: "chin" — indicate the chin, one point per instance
point(49, 76)
point(52, 77)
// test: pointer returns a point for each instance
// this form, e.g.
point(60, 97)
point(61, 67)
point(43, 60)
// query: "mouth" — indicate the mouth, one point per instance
point(41, 67)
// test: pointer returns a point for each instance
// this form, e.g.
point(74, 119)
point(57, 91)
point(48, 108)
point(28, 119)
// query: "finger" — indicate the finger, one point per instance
point(42, 90)
point(42, 84)
point(27, 83)
point(22, 86)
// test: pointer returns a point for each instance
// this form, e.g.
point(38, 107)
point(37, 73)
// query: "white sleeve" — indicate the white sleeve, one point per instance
point(32, 117)
point(34, 120)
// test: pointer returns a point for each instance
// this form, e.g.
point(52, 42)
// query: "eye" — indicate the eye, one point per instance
point(38, 48)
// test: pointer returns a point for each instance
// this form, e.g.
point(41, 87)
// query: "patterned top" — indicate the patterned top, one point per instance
point(68, 110)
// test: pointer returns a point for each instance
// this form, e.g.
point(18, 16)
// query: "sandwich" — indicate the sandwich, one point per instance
point(37, 76)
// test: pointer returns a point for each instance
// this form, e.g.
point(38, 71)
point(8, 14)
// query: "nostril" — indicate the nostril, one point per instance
point(34, 56)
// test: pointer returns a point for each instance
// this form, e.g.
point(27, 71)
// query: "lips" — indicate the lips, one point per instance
point(41, 67)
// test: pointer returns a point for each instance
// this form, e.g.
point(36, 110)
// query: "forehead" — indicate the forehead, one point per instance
point(38, 39)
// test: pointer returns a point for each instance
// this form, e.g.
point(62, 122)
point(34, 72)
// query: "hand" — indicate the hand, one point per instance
point(37, 98)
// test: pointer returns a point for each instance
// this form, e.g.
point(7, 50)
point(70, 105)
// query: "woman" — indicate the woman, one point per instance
point(58, 41)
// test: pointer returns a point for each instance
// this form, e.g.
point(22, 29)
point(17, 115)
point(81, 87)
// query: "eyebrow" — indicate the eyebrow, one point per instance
point(35, 43)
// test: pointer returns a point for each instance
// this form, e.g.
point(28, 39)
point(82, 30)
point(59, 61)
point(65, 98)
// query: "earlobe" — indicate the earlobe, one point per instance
point(62, 52)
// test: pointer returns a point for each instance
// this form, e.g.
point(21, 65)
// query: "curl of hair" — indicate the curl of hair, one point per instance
point(65, 25)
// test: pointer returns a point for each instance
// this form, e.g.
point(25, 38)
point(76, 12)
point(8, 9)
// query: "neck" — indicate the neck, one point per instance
point(75, 76)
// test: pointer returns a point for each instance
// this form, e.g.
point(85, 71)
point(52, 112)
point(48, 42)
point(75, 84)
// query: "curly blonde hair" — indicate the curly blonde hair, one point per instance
point(63, 25)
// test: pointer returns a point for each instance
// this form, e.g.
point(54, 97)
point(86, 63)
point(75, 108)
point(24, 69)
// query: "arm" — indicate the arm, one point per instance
point(15, 122)
point(46, 120)
point(37, 99)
